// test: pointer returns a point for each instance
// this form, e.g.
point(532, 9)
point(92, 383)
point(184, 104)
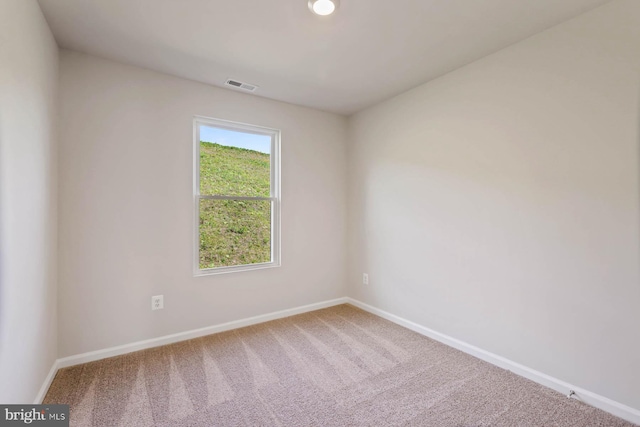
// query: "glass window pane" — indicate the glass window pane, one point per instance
point(234, 163)
point(234, 232)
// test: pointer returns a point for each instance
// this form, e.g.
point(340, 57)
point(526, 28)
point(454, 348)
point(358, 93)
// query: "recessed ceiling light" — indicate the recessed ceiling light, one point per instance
point(323, 7)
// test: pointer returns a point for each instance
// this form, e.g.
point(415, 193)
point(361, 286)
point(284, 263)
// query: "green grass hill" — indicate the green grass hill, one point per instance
point(234, 232)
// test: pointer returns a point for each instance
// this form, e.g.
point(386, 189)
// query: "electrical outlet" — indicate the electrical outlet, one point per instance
point(365, 279)
point(157, 302)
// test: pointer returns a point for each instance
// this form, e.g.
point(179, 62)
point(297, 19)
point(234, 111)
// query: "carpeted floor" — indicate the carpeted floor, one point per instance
point(335, 367)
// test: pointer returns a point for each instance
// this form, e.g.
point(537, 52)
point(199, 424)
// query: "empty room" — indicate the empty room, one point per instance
point(320, 213)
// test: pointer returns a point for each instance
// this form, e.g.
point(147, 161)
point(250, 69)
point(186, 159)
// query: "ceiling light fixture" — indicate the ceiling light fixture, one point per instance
point(323, 7)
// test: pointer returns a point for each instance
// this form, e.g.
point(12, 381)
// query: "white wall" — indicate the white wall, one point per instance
point(28, 87)
point(126, 205)
point(499, 204)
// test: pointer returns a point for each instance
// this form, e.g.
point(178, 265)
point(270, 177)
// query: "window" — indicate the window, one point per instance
point(236, 196)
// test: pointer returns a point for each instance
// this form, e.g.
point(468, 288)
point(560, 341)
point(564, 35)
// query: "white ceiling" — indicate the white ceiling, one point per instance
point(368, 51)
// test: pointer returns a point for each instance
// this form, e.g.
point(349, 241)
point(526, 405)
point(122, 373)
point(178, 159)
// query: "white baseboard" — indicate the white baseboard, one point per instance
point(47, 383)
point(195, 333)
point(588, 397)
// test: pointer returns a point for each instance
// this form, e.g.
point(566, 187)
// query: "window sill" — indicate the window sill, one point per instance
point(234, 269)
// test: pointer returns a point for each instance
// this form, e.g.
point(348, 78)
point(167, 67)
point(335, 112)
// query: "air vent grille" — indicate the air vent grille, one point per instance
point(241, 85)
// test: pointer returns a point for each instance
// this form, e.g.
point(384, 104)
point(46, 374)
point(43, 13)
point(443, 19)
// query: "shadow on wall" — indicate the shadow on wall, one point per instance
point(638, 181)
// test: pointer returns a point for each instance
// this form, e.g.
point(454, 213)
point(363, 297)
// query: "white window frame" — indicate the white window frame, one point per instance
point(274, 195)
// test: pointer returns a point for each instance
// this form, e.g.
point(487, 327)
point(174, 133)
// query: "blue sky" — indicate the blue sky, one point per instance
point(250, 141)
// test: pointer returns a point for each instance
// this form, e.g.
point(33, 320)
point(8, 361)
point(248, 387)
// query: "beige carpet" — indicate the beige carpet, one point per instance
point(334, 367)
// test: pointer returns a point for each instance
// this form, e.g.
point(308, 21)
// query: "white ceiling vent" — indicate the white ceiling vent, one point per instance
point(240, 85)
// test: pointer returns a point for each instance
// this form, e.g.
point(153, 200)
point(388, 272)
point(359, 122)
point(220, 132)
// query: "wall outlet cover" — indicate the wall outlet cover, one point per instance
point(157, 302)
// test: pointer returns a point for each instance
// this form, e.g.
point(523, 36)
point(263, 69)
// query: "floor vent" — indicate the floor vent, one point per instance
point(240, 85)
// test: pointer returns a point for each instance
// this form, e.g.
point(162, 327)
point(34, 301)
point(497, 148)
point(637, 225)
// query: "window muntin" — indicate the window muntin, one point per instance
point(236, 186)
